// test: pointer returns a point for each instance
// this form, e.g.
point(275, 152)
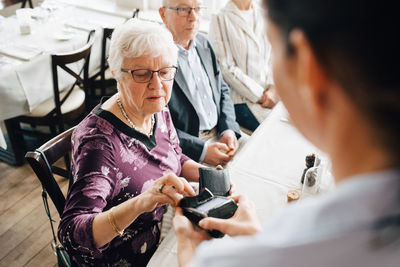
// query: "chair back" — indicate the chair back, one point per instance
point(61, 61)
point(52, 151)
point(107, 32)
point(23, 3)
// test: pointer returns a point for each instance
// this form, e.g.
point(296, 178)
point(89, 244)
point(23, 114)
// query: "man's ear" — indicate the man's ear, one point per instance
point(161, 11)
point(312, 79)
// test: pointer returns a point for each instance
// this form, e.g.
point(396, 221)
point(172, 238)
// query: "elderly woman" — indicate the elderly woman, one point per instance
point(336, 71)
point(126, 156)
point(244, 54)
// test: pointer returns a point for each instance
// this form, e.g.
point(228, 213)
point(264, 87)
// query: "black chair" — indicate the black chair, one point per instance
point(42, 162)
point(104, 83)
point(24, 3)
point(65, 107)
point(52, 150)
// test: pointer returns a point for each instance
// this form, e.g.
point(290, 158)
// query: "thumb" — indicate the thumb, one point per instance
point(211, 223)
point(231, 144)
point(222, 146)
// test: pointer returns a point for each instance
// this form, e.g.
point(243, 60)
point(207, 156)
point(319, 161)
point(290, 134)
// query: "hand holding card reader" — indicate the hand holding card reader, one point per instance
point(205, 204)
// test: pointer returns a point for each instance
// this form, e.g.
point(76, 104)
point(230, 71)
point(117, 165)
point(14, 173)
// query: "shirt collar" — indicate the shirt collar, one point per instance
point(183, 51)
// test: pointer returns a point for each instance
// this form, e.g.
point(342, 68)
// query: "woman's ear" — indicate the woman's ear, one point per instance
point(312, 79)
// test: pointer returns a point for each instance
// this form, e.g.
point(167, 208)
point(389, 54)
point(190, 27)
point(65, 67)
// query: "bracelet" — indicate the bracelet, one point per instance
point(111, 220)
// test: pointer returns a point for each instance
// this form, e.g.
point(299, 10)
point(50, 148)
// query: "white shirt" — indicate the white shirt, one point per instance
point(332, 230)
point(244, 54)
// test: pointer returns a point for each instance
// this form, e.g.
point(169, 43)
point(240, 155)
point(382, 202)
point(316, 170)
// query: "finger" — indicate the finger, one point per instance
point(171, 193)
point(239, 198)
point(178, 212)
point(222, 146)
point(163, 199)
point(180, 222)
point(172, 180)
point(219, 167)
point(224, 158)
point(236, 142)
point(232, 189)
point(187, 187)
point(211, 223)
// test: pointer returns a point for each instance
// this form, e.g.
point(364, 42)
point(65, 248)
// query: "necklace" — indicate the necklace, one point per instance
point(131, 123)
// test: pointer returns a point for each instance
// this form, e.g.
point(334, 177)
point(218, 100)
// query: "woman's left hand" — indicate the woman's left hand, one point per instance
point(169, 189)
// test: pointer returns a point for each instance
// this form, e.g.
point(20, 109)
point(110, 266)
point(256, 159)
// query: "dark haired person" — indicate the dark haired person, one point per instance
point(335, 69)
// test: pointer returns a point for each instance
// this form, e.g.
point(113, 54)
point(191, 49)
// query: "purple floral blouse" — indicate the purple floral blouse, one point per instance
point(112, 163)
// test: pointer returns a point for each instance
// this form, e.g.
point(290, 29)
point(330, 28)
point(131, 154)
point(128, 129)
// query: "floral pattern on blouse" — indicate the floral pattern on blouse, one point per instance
point(109, 166)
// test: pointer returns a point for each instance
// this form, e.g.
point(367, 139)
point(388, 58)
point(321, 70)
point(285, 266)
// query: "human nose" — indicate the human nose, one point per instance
point(192, 15)
point(155, 81)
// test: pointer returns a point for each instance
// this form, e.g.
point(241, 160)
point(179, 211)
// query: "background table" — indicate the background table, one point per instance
point(26, 82)
point(270, 164)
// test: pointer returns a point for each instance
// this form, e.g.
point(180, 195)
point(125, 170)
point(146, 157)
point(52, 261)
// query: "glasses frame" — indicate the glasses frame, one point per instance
point(188, 9)
point(152, 74)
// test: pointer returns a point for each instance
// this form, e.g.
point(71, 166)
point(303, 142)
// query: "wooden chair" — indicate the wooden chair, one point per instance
point(24, 3)
point(52, 150)
point(66, 106)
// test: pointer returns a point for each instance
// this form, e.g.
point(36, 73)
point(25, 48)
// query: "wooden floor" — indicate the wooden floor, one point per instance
point(25, 234)
point(6, 3)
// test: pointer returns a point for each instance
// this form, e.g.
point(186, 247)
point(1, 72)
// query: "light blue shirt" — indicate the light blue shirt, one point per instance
point(199, 87)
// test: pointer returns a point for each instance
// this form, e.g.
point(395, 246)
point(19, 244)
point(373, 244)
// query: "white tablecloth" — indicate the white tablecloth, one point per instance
point(25, 84)
point(270, 164)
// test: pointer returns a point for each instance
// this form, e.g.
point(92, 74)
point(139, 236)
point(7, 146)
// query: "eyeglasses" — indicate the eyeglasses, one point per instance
point(145, 76)
point(185, 11)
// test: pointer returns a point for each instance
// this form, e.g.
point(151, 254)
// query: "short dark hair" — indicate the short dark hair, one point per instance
point(355, 42)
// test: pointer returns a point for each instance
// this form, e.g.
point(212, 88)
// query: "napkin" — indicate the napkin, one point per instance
point(21, 51)
point(80, 26)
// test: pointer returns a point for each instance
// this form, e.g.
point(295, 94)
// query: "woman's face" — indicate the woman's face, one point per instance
point(148, 98)
point(289, 82)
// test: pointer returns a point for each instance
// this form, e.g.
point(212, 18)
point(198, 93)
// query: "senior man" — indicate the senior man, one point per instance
point(200, 105)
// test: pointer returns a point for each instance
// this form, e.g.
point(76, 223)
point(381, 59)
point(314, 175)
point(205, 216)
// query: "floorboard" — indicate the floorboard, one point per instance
point(25, 234)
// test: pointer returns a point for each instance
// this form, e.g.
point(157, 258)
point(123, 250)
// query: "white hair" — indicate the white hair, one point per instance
point(137, 38)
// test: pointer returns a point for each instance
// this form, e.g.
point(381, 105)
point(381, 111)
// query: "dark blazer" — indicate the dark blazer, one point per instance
point(183, 113)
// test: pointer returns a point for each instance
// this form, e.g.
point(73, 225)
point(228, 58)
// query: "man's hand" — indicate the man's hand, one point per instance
point(243, 222)
point(229, 138)
point(217, 153)
point(269, 98)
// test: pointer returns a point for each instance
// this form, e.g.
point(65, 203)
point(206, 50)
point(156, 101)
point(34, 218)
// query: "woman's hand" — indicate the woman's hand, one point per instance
point(269, 98)
point(169, 189)
point(243, 222)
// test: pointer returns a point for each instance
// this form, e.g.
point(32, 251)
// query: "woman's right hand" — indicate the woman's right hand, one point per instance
point(168, 189)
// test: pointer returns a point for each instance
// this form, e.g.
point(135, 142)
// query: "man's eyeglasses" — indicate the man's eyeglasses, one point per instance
point(144, 76)
point(185, 11)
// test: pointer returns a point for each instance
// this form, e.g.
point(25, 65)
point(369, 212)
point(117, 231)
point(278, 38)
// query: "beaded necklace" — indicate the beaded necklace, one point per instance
point(131, 123)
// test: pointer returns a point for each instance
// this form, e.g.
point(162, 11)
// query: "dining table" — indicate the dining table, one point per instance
point(26, 47)
point(269, 165)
